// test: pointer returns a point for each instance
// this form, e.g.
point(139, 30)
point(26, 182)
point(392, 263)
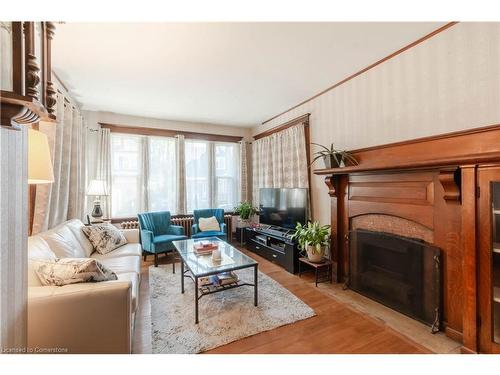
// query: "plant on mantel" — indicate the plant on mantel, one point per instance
point(334, 158)
point(313, 239)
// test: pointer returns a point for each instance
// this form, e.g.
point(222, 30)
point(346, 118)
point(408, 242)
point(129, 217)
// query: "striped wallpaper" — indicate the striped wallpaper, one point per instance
point(447, 83)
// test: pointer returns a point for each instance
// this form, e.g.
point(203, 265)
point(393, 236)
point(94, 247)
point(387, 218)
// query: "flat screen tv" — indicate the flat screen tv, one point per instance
point(283, 207)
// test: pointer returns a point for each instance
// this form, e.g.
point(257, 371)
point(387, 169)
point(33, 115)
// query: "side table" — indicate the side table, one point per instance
point(322, 271)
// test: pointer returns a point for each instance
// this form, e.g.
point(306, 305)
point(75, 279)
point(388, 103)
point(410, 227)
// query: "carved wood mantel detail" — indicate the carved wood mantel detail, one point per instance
point(32, 95)
point(331, 182)
point(448, 179)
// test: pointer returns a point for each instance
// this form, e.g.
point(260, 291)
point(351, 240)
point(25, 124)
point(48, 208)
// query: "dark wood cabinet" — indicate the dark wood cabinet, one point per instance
point(489, 258)
point(27, 93)
point(277, 249)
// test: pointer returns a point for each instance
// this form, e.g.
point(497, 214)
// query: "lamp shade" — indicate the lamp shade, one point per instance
point(39, 162)
point(97, 187)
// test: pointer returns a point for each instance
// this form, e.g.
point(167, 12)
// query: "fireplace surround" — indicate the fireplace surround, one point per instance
point(427, 189)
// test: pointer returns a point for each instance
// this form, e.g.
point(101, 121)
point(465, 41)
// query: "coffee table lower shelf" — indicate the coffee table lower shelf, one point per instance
point(211, 289)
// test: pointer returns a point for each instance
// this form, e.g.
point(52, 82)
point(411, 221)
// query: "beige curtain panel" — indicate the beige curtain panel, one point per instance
point(280, 161)
point(65, 198)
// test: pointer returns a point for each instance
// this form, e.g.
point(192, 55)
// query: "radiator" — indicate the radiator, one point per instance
point(183, 221)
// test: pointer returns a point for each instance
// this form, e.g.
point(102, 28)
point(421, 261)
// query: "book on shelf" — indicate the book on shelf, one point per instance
point(220, 279)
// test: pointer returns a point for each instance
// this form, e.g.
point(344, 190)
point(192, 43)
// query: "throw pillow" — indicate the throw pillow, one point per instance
point(104, 237)
point(66, 271)
point(209, 223)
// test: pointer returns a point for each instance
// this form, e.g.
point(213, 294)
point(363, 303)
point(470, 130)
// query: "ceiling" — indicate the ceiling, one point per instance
point(226, 73)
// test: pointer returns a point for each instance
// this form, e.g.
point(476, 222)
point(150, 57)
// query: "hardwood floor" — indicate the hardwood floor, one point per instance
point(337, 328)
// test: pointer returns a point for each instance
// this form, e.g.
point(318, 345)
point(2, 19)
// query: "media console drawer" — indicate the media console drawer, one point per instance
point(286, 258)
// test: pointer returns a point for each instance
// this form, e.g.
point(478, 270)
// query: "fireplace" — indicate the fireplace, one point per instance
point(400, 272)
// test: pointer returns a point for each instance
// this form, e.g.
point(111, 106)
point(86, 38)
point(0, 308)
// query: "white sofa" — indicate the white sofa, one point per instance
point(86, 317)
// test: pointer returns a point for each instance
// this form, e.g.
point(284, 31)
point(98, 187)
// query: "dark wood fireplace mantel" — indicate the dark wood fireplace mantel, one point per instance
point(431, 182)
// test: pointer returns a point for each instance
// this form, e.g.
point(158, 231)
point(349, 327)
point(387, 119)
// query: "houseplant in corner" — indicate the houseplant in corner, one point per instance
point(245, 210)
point(313, 239)
point(334, 158)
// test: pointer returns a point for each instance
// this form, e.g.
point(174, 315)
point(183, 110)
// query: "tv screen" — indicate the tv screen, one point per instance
point(283, 207)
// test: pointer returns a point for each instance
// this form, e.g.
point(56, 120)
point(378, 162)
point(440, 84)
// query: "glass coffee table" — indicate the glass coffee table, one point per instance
point(196, 266)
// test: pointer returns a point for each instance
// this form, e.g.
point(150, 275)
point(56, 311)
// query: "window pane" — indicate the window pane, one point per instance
point(126, 175)
point(197, 175)
point(162, 174)
point(226, 175)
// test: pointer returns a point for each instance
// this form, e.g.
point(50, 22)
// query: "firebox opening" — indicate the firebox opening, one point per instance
point(401, 273)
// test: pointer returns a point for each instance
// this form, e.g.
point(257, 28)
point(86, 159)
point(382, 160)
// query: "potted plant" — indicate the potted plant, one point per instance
point(245, 210)
point(313, 239)
point(333, 158)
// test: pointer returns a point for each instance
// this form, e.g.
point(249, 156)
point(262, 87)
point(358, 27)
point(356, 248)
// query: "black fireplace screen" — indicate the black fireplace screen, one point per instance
point(399, 272)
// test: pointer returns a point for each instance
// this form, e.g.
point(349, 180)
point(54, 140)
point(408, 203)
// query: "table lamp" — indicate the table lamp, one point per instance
point(39, 163)
point(97, 188)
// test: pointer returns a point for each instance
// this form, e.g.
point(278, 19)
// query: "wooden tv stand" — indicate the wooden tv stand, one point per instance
point(278, 249)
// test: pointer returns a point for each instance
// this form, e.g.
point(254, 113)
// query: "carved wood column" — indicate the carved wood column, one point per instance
point(469, 239)
point(50, 91)
point(337, 241)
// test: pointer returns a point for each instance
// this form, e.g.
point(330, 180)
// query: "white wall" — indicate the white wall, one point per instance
point(13, 238)
point(447, 83)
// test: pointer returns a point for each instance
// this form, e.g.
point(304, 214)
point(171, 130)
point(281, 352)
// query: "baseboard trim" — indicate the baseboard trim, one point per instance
point(454, 334)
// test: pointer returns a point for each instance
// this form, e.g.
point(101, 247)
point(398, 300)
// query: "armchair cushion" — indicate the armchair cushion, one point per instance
point(177, 230)
point(208, 224)
point(167, 238)
point(211, 233)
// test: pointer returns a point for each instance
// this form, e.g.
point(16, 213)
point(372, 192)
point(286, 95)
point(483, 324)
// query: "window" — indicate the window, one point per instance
point(143, 174)
point(126, 175)
point(227, 166)
point(198, 189)
point(162, 175)
point(212, 175)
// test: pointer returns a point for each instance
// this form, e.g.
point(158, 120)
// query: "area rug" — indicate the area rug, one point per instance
point(224, 317)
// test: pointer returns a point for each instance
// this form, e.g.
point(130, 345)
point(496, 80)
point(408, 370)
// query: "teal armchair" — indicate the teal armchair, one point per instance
point(157, 233)
point(219, 215)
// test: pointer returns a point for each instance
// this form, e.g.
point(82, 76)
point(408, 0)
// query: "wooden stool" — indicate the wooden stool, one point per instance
point(319, 268)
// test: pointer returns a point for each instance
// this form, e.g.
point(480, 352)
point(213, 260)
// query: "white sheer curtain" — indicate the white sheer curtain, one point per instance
point(104, 168)
point(244, 196)
point(65, 198)
point(280, 160)
point(181, 174)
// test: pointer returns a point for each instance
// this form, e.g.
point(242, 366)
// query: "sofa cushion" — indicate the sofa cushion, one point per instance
point(63, 243)
point(66, 271)
point(129, 249)
point(37, 249)
point(123, 264)
point(75, 226)
point(131, 235)
point(134, 280)
point(104, 237)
